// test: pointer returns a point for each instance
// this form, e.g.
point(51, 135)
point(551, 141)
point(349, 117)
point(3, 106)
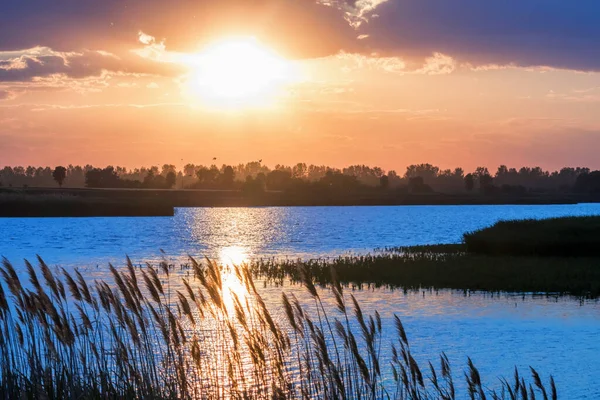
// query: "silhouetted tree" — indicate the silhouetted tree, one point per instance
point(384, 182)
point(59, 174)
point(278, 179)
point(469, 182)
point(417, 185)
point(102, 178)
point(166, 168)
point(149, 178)
point(254, 186)
point(170, 179)
point(299, 171)
point(588, 183)
point(426, 171)
point(485, 182)
point(227, 176)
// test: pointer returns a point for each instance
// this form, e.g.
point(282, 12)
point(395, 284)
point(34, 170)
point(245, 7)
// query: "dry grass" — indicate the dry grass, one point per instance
point(62, 337)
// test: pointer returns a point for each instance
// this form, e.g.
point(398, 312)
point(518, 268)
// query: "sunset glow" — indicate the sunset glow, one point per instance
point(323, 82)
point(239, 72)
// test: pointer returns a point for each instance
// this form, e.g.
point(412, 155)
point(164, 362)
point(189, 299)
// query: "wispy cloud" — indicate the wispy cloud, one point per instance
point(355, 12)
point(437, 64)
point(42, 63)
point(7, 95)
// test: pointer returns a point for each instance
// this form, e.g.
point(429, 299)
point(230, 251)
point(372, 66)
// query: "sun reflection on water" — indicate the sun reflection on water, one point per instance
point(230, 258)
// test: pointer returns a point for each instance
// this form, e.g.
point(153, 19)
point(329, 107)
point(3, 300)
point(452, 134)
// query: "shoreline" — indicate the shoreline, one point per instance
point(84, 202)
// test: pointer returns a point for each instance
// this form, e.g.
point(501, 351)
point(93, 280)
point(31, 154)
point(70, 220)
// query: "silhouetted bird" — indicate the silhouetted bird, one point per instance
point(260, 160)
point(214, 158)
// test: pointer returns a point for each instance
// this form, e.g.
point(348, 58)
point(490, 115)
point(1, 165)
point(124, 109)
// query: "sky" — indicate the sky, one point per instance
point(379, 82)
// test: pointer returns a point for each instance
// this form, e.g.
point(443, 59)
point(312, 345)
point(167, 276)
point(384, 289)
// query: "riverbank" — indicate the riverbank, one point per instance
point(14, 205)
point(142, 202)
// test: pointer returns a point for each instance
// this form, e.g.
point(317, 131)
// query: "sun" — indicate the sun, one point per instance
point(238, 72)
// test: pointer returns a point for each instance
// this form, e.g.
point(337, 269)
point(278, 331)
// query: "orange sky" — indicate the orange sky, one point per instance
point(137, 103)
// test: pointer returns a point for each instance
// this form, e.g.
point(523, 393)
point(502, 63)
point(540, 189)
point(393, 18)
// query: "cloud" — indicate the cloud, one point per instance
point(354, 61)
point(356, 12)
point(588, 95)
point(296, 28)
point(485, 34)
point(437, 64)
point(42, 62)
point(7, 95)
point(527, 33)
point(145, 39)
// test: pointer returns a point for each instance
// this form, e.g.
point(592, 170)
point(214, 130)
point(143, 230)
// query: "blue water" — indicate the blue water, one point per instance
point(255, 232)
point(557, 336)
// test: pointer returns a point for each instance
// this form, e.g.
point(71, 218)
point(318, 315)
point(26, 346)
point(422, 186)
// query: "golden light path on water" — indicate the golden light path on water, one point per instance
point(229, 258)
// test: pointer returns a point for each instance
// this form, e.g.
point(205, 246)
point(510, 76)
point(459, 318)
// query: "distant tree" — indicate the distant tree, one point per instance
point(485, 182)
point(254, 186)
point(207, 177)
point(384, 182)
point(149, 178)
point(170, 179)
point(168, 168)
point(102, 178)
point(469, 182)
point(261, 180)
point(299, 171)
point(588, 183)
point(278, 179)
point(59, 174)
point(426, 171)
point(227, 176)
point(417, 185)
point(189, 170)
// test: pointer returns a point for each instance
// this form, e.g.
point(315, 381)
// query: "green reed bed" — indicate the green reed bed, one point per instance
point(152, 335)
point(554, 237)
point(422, 268)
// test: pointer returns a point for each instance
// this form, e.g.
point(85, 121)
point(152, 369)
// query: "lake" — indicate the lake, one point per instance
point(305, 232)
point(557, 336)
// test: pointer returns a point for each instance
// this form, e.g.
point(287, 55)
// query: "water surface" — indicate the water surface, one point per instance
point(305, 232)
point(557, 336)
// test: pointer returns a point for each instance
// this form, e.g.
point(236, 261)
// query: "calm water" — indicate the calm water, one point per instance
point(557, 336)
point(254, 232)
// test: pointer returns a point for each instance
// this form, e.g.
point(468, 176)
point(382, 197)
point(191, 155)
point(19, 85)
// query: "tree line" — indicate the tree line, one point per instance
point(420, 178)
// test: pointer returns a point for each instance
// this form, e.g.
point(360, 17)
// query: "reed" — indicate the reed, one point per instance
point(446, 267)
point(149, 333)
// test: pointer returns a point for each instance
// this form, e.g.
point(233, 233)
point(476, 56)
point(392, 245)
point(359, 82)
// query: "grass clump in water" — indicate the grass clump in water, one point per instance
point(421, 268)
point(557, 237)
point(148, 334)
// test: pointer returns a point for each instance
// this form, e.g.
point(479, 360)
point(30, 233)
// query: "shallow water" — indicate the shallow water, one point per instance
point(556, 336)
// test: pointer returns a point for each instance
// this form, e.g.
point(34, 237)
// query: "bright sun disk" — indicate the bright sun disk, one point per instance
point(239, 71)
